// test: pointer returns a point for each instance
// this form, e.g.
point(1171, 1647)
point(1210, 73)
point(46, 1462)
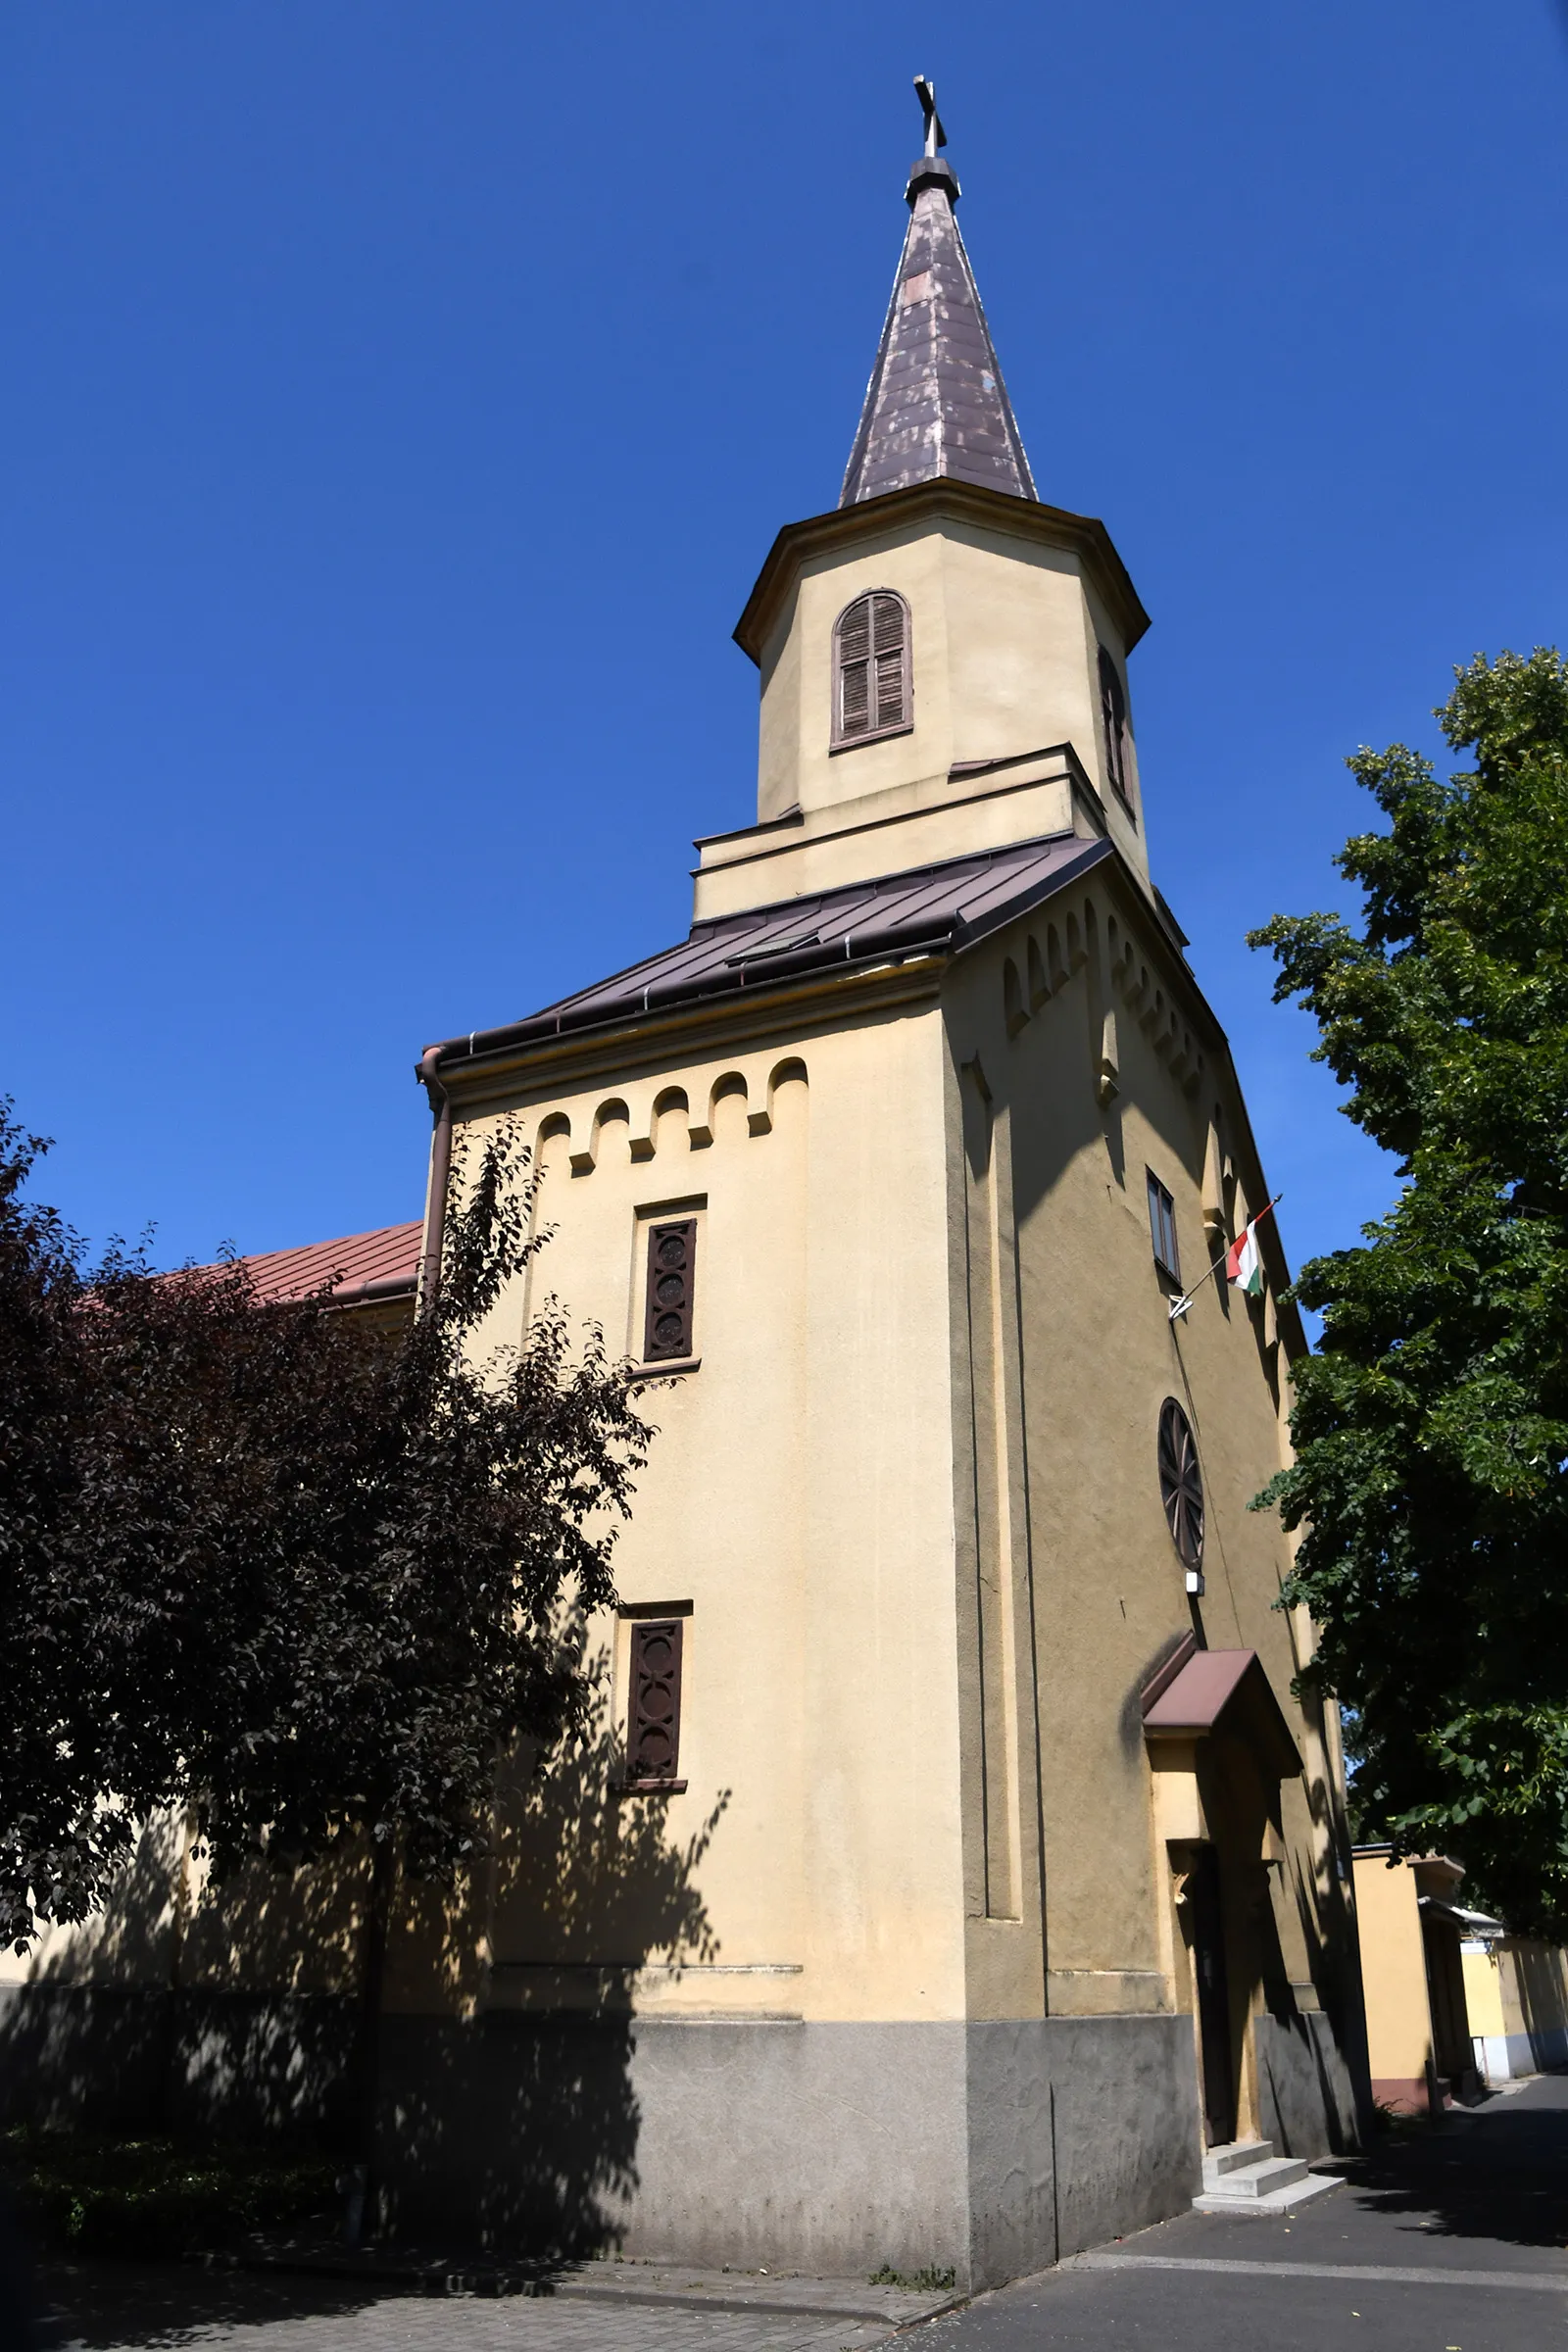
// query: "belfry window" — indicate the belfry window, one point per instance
point(1113, 717)
point(872, 669)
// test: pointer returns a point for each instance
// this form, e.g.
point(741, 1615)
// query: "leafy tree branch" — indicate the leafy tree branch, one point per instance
point(1431, 1430)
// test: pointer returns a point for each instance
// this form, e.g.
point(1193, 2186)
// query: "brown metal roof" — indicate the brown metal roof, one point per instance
point(936, 405)
point(361, 1267)
point(928, 909)
point(1216, 1682)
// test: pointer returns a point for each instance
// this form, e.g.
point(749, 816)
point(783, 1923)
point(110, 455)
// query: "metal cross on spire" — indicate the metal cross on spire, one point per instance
point(935, 135)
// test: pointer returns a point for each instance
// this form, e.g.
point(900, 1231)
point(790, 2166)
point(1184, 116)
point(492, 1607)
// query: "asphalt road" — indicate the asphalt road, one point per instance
point(1455, 2240)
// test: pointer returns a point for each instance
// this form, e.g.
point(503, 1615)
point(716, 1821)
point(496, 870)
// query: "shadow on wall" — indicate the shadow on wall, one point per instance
point(1539, 1974)
point(513, 2120)
point(507, 2115)
point(227, 2014)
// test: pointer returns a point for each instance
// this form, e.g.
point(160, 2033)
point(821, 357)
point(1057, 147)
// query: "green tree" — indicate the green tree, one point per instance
point(1431, 1428)
point(302, 1578)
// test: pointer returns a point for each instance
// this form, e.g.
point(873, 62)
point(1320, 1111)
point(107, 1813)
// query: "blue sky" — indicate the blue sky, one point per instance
point(400, 400)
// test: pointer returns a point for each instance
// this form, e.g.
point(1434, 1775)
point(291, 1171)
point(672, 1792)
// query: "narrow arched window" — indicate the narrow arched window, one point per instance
point(1113, 716)
point(872, 669)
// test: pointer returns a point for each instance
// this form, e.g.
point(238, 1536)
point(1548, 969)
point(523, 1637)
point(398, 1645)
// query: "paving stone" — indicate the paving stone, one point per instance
point(601, 2308)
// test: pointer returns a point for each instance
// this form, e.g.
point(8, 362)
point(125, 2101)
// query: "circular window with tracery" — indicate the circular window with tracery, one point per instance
point(1181, 1483)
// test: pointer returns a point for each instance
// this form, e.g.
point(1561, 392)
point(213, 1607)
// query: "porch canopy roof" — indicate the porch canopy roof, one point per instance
point(1198, 1690)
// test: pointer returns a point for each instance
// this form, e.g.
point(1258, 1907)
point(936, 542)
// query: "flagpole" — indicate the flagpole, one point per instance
point(1180, 1305)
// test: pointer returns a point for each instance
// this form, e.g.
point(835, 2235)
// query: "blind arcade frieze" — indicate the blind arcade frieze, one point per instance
point(669, 1117)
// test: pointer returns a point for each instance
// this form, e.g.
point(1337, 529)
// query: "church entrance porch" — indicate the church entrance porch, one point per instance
point(1270, 2062)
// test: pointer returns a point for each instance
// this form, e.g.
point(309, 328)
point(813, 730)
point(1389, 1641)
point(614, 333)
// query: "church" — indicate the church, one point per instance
point(957, 1865)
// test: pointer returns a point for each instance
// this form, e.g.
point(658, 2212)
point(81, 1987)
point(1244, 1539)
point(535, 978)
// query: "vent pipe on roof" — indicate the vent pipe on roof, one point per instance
point(435, 1204)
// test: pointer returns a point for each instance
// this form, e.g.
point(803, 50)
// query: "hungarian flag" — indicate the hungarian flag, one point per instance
point(1244, 1263)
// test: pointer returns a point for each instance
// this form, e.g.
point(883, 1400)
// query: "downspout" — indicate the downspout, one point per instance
point(435, 1204)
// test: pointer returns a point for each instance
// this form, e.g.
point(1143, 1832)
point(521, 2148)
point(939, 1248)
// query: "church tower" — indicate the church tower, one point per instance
point(956, 1872)
point(944, 658)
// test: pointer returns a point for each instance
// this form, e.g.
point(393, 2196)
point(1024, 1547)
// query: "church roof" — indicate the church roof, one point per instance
point(361, 1267)
point(929, 910)
point(936, 404)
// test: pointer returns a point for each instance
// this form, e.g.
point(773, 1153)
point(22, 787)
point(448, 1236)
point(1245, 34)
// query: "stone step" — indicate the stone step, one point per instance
point(1232, 2154)
point(1276, 2200)
point(1259, 2180)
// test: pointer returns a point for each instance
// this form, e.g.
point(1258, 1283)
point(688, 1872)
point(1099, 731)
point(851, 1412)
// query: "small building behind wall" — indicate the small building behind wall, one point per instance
point(1516, 1992)
point(1413, 1970)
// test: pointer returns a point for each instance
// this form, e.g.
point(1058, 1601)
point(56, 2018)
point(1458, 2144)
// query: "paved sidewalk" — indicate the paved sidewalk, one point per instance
point(601, 2307)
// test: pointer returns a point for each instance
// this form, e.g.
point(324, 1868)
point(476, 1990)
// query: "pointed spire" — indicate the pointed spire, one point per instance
point(936, 404)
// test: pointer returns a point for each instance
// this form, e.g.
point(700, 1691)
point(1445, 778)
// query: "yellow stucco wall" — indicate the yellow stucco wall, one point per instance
point(1061, 1470)
point(1399, 2017)
point(1484, 1988)
point(1516, 1992)
point(798, 1498)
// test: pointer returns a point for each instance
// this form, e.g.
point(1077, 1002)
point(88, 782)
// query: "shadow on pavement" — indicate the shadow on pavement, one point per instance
point(1499, 2172)
point(98, 2304)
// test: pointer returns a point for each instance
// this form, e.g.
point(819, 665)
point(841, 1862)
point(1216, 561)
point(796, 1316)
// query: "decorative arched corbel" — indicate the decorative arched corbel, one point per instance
point(583, 1163)
point(730, 1084)
point(669, 1099)
point(783, 1073)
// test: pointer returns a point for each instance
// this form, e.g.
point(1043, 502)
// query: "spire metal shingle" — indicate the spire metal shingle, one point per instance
point(936, 404)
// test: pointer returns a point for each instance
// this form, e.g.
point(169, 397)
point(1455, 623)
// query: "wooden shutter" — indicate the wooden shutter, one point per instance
point(653, 1728)
point(887, 637)
point(871, 651)
point(671, 1266)
point(1113, 713)
point(1162, 1228)
point(854, 668)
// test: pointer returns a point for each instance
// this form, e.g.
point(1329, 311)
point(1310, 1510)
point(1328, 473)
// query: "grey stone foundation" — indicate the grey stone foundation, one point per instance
point(995, 2148)
point(1305, 2095)
point(990, 2148)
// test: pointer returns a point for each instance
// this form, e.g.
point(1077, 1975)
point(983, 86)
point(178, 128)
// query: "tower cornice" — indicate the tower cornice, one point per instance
point(941, 499)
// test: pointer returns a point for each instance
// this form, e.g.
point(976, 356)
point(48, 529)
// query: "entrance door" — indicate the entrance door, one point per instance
point(1207, 1915)
point(1452, 2050)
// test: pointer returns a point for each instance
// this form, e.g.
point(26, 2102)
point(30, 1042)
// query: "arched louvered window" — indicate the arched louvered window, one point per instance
point(1113, 716)
point(872, 669)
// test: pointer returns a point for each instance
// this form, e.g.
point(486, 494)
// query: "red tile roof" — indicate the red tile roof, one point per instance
point(367, 1265)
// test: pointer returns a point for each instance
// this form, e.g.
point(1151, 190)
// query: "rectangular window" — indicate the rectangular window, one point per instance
point(671, 1267)
point(653, 1717)
point(1163, 1229)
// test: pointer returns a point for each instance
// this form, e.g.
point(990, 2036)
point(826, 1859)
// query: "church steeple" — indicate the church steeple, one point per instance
point(936, 405)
